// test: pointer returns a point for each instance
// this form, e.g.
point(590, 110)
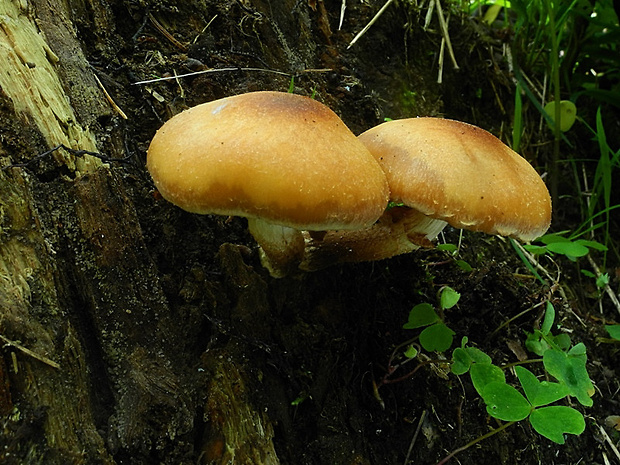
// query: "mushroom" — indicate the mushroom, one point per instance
point(285, 162)
point(441, 172)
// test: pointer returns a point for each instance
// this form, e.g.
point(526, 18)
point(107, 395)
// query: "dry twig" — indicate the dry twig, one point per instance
point(166, 34)
point(370, 23)
point(110, 99)
point(29, 352)
point(221, 70)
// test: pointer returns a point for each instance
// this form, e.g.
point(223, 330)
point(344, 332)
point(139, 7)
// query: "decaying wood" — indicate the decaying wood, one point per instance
point(92, 374)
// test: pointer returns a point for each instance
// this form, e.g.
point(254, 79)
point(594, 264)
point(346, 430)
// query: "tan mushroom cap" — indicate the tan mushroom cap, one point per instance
point(284, 158)
point(461, 174)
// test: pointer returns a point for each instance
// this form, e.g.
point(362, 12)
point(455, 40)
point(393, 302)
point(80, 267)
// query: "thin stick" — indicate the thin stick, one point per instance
point(221, 70)
point(110, 100)
point(609, 441)
point(74, 152)
point(181, 90)
point(510, 320)
point(368, 26)
point(556, 281)
point(29, 352)
point(475, 441)
point(443, 25)
point(415, 436)
point(532, 261)
point(166, 34)
point(429, 14)
point(204, 29)
point(343, 7)
point(442, 49)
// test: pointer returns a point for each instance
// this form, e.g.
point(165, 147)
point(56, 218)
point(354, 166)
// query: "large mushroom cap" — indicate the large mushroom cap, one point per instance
point(461, 174)
point(281, 157)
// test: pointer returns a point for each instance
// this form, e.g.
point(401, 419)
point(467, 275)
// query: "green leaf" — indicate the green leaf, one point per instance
point(463, 358)
point(447, 247)
point(421, 315)
point(449, 298)
point(303, 396)
point(463, 265)
point(548, 321)
point(535, 249)
point(588, 273)
point(602, 280)
point(579, 350)
point(570, 370)
point(537, 392)
point(562, 341)
point(478, 356)
point(483, 374)
point(535, 343)
point(491, 14)
point(552, 239)
point(570, 249)
point(411, 352)
point(505, 402)
point(436, 337)
point(568, 113)
point(555, 421)
point(592, 244)
point(614, 331)
point(461, 361)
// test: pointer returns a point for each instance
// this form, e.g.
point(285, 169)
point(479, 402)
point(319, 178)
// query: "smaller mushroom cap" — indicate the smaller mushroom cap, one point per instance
point(461, 174)
point(284, 158)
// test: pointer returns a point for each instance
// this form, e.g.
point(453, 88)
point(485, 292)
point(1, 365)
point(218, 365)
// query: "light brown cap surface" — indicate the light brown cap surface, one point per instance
point(281, 157)
point(461, 174)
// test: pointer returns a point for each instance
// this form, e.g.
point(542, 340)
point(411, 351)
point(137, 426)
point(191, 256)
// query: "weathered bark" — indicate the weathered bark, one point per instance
point(79, 289)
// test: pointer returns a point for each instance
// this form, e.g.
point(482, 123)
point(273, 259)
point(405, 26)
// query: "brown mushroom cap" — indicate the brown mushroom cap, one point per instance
point(461, 174)
point(284, 158)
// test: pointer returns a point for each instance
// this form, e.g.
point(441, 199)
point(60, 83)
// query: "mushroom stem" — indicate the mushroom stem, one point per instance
point(281, 247)
point(399, 230)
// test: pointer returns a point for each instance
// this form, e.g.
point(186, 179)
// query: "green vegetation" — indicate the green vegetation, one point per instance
point(570, 247)
point(453, 250)
point(435, 336)
point(614, 331)
point(533, 400)
point(566, 60)
point(503, 401)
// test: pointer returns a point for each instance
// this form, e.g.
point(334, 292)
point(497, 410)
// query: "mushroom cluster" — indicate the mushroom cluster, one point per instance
point(315, 194)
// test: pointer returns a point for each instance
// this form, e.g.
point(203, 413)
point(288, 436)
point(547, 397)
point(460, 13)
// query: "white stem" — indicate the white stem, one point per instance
point(281, 247)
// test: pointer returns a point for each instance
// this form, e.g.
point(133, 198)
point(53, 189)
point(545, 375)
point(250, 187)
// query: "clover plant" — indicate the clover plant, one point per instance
point(435, 336)
point(565, 363)
point(533, 399)
point(570, 247)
